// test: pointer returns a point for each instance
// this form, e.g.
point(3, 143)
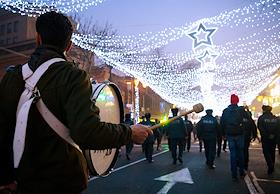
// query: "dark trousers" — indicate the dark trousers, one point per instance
point(269, 152)
point(247, 141)
point(128, 147)
point(189, 141)
point(149, 149)
point(219, 144)
point(158, 138)
point(225, 144)
point(200, 145)
point(174, 143)
point(236, 147)
point(210, 150)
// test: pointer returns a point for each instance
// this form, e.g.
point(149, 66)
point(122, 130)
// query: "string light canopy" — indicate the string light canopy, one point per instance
point(244, 56)
point(36, 7)
point(239, 54)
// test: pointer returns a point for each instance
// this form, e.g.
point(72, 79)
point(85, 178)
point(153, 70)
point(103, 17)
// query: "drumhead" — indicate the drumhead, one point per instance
point(108, 99)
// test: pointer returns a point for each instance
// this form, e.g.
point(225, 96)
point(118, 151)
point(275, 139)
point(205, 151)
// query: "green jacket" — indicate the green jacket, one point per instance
point(49, 163)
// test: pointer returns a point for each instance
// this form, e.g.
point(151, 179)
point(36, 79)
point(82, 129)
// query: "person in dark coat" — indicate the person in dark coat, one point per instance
point(49, 164)
point(268, 124)
point(150, 140)
point(189, 127)
point(232, 126)
point(207, 130)
point(219, 137)
point(177, 133)
point(128, 147)
point(158, 134)
point(250, 134)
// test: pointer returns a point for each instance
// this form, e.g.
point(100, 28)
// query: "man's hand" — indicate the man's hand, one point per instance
point(140, 133)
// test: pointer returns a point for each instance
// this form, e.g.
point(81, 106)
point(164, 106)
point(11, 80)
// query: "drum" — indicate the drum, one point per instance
point(108, 99)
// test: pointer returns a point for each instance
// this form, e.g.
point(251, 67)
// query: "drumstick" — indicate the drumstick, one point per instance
point(197, 108)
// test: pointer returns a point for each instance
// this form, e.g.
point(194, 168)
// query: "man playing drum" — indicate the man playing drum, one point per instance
point(49, 164)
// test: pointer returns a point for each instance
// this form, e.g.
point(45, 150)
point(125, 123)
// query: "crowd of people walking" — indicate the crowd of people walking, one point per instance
point(235, 128)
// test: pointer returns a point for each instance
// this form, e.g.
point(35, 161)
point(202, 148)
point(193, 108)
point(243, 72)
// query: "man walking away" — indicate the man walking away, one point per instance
point(177, 133)
point(207, 130)
point(128, 147)
point(150, 140)
point(189, 127)
point(232, 125)
point(268, 124)
point(250, 134)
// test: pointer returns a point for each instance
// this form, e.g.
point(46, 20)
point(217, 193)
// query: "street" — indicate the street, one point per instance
point(137, 176)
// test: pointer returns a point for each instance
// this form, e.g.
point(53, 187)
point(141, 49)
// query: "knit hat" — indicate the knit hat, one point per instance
point(234, 99)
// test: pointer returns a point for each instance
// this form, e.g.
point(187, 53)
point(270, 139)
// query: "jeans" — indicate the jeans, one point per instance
point(236, 147)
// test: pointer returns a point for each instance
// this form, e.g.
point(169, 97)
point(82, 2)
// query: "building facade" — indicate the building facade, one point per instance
point(17, 39)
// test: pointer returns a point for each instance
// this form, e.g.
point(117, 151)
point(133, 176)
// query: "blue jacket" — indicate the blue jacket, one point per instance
point(232, 120)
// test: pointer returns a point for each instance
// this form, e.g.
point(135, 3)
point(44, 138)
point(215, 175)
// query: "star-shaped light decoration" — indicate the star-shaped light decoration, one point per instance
point(202, 36)
point(208, 61)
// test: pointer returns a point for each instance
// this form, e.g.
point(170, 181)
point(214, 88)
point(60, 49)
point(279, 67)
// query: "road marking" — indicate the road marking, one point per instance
point(166, 188)
point(256, 184)
point(268, 180)
point(250, 185)
point(183, 176)
point(130, 164)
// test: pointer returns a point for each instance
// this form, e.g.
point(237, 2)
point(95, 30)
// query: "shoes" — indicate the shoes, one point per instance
point(174, 161)
point(127, 157)
point(150, 161)
point(188, 150)
point(180, 160)
point(218, 155)
point(224, 150)
point(212, 166)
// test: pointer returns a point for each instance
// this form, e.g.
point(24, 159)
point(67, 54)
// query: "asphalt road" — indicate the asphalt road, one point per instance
point(137, 176)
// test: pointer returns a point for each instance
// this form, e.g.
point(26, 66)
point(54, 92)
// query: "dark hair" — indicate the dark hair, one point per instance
point(55, 29)
point(174, 111)
point(148, 115)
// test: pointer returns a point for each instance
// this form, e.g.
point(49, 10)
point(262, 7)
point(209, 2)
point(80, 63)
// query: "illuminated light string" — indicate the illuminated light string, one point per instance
point(227, 51)
point(34, 8)
point(188, 56)
point(242, 66)
point(184, 85)
point(149, 41)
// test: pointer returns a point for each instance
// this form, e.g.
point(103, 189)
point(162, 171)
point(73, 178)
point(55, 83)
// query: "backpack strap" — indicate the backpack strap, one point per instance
point(30, 95)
